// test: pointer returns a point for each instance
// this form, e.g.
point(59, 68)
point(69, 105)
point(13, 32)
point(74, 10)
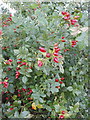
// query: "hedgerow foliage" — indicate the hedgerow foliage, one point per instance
point(44, 61)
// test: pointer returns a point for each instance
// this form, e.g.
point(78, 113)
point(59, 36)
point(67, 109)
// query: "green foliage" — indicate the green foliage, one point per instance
point(31, 76)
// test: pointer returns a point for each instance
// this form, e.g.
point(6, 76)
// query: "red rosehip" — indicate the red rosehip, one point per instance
point(56, 80)
point(63, 13)
point(40, 63)
point(67, 14)
point(76, 17)
point(0, 32)
point(56, 44)
point(58, 87)
point(24, 63)
point(48, 55)
point(7, 98)
point(61, 116)
point(19, 62)
point(17, 68)
point(60, 82)
point(10, 15)
point(9, 69)
point(63, 37)
point(10, 60)
point(11, 108)
point(6, 78)
point(66, 18)
point(62, 78)
point(63, 40)
point(29, 98)
point(63, 112)
point(55, 54)
point(57, 50)
point(56, 60)
point(19, 95)
point(42, 49)
point(18, 90)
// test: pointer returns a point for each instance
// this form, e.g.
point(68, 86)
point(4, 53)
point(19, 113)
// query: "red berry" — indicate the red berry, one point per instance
point(7, 98)
point(48, 55)
point(63, 112)
point(10, 60)
point(57, 50)
point(10, 15)
point(63, 40)
point(76, 17)
point(55, 54)
point(63, 37)
point(56, 80)
point(11, 108)
point(58, 87)
point(19, 95)
point(40, 63)
point(0, 32)
point(60, 82)
point(67, 14)
point(42, 49)
point(63, 13)
point(56, 60)
point(61, 116)
point(62, 78)
point(24, 63)
point(19, 62)
point(66, 18)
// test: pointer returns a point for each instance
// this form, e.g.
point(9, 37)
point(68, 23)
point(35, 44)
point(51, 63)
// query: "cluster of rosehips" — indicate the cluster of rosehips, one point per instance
point(67, 17)
point(74, 43)
point(21, 64)
point(5, 48)
point(57, 80)
point(62, 116)
point(48, 55)
point(8, 62)
point(17, 74)
point(6, 22)
point(5, 84)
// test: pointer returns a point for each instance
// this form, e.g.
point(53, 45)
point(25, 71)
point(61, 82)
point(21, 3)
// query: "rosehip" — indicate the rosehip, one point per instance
point(57, 50)
point(63, 112)
point(63, 40)
point(42, 49)
point(11, 108)
point(76, 17)
point(10, 60)
point(62, 78)
point(55, 54)
point(63, 37)
point(40, 63)
point(60, 82)
point(61, 116)
point(48, 55)
point(63, 13)
point(7, 98)
point(56, 80)
point(55, 60)
point(0, 32)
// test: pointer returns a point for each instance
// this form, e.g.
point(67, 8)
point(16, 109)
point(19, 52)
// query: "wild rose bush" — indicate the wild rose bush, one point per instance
point(44, 61)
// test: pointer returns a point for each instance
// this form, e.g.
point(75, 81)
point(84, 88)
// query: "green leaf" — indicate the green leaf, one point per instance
point(57, 108)
point(24, 114)
point(11, 88)
point(70, 88)
point(24, 79)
